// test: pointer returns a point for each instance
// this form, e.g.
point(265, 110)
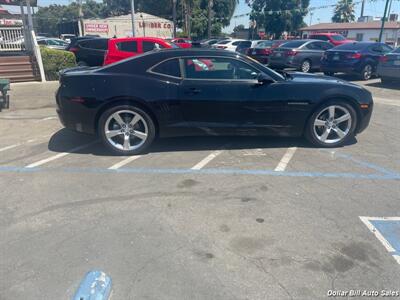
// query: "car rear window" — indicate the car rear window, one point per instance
point(127, 46)
point(338, 37)
point(223, 42)
point(352, 46)
point(100, 44)
point(265, 44)
point(319, 37)
point(293, 44)
point(169, 67)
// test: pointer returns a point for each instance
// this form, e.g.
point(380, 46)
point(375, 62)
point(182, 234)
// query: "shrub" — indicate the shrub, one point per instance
point(56, 60)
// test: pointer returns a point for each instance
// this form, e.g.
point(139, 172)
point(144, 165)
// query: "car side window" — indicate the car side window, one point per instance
point(169, 68)
point(219, 69)
point(236, 43)
point(41, 42)
point(313, 46)
point(128, 46)
point(326, 46)
point(386, 48)
point(150, 46)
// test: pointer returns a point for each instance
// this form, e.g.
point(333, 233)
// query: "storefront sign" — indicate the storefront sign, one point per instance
point(155, 25)
point(10, 22)
point(94, 27)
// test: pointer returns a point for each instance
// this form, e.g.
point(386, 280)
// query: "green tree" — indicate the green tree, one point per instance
point(344, 12)
point(278, 16)
point(239, 27)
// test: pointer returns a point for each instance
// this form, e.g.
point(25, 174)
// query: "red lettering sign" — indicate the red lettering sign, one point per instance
point(96, 27)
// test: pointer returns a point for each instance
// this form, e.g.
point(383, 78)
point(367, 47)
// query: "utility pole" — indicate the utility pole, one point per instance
point(210, 5)
point(133, 17)
point(80, 16)
point(174, 15)
point(383, 20)
point(362, 8)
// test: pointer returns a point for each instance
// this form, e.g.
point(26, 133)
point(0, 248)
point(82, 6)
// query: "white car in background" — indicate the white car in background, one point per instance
point(229, 45)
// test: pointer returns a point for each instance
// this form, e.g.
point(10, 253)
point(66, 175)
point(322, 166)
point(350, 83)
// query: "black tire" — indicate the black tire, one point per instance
point(329, 73)
point(367, 72)
point(310, 132)
point(305, 66)
point(151, 130)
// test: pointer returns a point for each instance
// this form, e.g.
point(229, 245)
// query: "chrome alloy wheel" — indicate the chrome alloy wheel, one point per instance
point(306, 66)
point(332, 124)
point(367, 72)
point(126, 130)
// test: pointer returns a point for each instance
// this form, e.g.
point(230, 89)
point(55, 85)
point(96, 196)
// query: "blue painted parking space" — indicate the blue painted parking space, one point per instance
point(387, 231)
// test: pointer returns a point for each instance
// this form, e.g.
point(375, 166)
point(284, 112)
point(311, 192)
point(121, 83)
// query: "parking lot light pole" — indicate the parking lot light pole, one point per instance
point(174, 15)
point(383, 20)
point(133, 17)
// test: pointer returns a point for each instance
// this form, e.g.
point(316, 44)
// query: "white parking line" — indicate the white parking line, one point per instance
point(16, 145)
point(8, 147)
point(285, 159)
point(49, 118)
point(124, 162)
point(57, 156)
point(206, 160)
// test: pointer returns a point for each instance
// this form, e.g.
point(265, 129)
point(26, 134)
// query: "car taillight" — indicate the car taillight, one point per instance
point(291, 53)
point(354, 55)
point(222, 47)
point(74, 49)
point(383, 59)
point(266, 51)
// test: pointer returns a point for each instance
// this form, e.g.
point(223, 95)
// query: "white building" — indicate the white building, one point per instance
point(359, 31)
point(121, 26)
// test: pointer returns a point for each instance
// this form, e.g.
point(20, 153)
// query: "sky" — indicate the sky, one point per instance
point(372, 8)
point(375, 9)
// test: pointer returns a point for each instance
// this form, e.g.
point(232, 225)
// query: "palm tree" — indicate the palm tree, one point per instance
point(344, 12)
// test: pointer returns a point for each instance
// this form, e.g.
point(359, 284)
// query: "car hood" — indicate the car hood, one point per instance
point(314, 78)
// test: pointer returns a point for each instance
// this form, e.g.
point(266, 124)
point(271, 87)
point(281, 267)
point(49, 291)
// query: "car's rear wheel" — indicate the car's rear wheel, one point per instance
point(366, 72)
point(126, 129)
point(332, 124)
point(305, 66)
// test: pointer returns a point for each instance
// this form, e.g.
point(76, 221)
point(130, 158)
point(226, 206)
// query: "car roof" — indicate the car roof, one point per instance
point(143, 38)
point(325, 33)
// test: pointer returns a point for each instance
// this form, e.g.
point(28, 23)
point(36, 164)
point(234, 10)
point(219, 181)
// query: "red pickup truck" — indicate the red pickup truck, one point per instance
point(121, 48)
point(335, 39)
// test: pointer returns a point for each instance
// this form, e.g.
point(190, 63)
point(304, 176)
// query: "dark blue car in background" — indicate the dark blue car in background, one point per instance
point(389, 67)
point(360, 58)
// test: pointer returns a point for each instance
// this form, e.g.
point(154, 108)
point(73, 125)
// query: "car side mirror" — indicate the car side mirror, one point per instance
point(264, 79)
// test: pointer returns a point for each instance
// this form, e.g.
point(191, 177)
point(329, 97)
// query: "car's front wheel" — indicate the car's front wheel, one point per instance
point(332, 124)
point(126, 129)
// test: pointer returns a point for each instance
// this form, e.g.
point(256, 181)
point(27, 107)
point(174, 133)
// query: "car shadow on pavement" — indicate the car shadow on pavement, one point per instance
point(68, 141)
point(386, 85)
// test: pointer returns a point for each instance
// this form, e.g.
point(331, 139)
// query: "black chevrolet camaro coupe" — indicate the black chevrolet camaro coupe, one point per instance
point(181, 92)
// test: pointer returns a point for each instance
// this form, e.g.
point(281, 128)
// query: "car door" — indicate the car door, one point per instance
point(313, 51)
point(226, 96)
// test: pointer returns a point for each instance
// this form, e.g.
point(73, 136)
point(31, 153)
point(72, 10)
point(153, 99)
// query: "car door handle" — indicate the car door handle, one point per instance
point(192, 91)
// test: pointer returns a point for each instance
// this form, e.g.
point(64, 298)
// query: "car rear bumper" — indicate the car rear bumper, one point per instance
point(75, 116)
point(260, 58)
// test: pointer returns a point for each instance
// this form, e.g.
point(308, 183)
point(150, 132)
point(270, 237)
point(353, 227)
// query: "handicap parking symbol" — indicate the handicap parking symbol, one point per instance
point(387, 231)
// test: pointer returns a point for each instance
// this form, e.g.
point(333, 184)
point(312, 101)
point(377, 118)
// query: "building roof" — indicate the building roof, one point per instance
point(355, 25)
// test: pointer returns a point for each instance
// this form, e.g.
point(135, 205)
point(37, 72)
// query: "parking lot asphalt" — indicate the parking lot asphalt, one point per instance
point(195, 218)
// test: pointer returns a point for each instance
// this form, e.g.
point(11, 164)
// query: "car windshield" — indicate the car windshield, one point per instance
point(264, 44)
point(352, 46)
point(338, 37)
point(293, 44)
